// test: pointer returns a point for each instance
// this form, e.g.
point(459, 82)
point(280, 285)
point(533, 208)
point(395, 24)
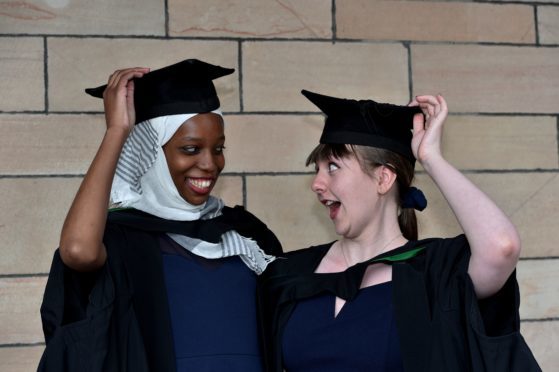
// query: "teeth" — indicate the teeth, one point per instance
point(329, 203)
point(202, 184)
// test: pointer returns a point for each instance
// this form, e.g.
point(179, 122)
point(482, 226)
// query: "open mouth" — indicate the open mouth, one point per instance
point(201, 185)
point(333, 207)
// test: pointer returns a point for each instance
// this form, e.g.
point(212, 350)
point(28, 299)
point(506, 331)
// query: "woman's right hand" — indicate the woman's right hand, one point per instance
point(118, 98)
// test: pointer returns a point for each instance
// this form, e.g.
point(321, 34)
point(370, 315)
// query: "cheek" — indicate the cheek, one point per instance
point(220, 162)
point(179, 165)
point(343, 186)
point(359, 193)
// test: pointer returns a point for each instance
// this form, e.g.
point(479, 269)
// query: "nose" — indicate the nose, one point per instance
point(207, 162)
point(319, 183)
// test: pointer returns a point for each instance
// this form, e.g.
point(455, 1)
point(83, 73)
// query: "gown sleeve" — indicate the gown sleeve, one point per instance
point(76, 315)
point(489, 328)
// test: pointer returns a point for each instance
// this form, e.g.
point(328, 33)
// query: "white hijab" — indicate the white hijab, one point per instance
point(142, 180)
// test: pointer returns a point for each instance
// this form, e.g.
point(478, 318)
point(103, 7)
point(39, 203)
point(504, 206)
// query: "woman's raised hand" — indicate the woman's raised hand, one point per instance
point(118, 98)
point(428, 129)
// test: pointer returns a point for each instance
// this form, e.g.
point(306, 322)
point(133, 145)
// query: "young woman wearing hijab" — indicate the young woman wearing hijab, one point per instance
point(378, 299)
point(167, 281)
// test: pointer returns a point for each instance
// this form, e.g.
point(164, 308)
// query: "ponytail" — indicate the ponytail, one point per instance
point(408, 223)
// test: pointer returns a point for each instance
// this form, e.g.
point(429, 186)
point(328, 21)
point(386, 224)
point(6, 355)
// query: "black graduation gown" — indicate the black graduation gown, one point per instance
point(117, 318)
point(442, 326)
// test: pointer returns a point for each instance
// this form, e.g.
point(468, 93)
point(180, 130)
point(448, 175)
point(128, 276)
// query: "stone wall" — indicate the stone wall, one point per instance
point(496, 62)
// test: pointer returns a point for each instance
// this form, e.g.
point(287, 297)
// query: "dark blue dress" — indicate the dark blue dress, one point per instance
point(362, 337)
point(213, 311)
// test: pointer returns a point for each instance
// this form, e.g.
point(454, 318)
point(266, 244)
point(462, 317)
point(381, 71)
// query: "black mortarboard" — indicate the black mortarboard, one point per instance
point(366, 123)
point(183, 88)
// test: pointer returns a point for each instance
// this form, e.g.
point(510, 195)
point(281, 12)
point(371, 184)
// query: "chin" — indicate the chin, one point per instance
point(340, 231)
point(196, 200)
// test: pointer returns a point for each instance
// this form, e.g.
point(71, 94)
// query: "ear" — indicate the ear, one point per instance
point(386, 179)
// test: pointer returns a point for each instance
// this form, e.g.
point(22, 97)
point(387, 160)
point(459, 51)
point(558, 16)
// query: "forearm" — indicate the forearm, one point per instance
point(81, 241)
point(493, 239)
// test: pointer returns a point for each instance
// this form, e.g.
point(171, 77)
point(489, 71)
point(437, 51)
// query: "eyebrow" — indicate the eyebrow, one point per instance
point(188, 138)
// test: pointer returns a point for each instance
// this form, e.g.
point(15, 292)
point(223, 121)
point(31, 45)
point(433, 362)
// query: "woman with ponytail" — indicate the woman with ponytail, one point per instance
point(379, 299)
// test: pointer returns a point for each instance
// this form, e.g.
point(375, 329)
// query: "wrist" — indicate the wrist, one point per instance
point(117, 134)
point(431, 161)
point(118, 131)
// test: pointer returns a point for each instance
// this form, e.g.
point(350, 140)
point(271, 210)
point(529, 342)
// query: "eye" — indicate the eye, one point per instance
point(219, 149)
point(190, 150)
point(332, 167)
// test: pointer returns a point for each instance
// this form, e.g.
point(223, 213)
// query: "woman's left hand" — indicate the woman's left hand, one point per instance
point(428, 129)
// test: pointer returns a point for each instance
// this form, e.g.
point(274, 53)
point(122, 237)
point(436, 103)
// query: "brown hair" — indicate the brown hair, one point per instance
point(370, 158)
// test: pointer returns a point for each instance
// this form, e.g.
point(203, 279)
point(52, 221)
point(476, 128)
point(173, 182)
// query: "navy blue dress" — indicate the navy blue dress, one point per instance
point(213, 311)
point(362, 337)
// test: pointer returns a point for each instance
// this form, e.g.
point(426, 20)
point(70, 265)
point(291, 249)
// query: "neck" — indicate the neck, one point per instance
point(354, 252)
point(382, 235)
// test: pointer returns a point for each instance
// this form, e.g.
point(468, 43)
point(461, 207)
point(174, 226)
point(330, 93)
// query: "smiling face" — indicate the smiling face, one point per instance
point(349, 193)
point(195, 156)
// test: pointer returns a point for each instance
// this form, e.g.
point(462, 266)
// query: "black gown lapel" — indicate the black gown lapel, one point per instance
point(306, 283)
point(210, 230)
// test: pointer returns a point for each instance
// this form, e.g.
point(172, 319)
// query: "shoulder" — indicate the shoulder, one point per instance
point(122, 222)
point(437, 257)
point(127, 229)
point(443, 258)
point(309, 253)
point(446, 248)
point(113, 229)
point(250, 226)
point(299, 261)
point(239, 214)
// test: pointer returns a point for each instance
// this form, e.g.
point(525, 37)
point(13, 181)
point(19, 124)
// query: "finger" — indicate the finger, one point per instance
point(130, 69)
point(126, 77)
point(418, 124)
point(130, 88)
point(431, 110)
point(112, 79)
point(419, 120)
point(437, 109)
point(427, 99)
point(130, 93)
point(413, 103)
point(435, 102)
point(442, 102)
point(427, 109)
point(440, 107)
point(126, 74)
